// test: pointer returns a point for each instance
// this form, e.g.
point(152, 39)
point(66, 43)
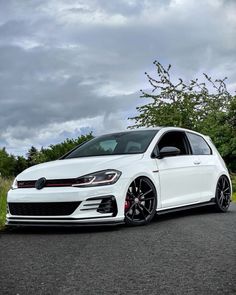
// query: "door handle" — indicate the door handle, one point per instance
point(196, 162)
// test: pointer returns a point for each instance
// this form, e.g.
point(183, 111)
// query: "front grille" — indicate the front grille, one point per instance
point(26, 184)
point(43, 209)
point(49, 183)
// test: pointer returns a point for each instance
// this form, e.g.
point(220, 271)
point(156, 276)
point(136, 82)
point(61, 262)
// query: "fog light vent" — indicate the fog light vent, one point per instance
point(108, 205)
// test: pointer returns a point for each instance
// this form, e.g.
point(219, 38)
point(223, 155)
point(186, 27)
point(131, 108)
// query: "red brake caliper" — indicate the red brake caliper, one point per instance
point(127, 204)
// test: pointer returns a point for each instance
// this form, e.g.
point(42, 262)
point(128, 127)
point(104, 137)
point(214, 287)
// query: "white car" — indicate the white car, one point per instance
point(122, 177)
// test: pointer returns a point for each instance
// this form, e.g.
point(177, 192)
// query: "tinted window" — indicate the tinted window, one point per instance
point(198, 144)
point(175, 139)
point(133, 142)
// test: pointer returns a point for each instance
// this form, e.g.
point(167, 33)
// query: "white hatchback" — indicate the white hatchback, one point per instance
point(122, 177)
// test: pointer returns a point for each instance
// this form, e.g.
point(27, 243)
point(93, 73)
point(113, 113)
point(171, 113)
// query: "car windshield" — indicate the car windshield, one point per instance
point(130, 142)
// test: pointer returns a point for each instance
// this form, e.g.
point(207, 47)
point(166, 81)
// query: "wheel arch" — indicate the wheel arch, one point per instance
point(156, 185)
point(230, 182)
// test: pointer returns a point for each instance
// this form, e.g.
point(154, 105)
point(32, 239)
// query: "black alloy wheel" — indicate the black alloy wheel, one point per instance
point(223, 194)
point(141, 202)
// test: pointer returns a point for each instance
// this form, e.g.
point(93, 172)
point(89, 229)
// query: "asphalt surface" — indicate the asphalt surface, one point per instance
point(191, 252)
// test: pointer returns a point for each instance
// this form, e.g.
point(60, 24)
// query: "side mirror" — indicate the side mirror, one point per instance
point(168, 151)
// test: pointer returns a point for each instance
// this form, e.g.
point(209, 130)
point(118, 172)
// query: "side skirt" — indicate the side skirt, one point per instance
point(209, 203)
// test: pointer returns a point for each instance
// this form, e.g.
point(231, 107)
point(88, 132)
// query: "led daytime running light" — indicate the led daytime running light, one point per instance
point(94, 176)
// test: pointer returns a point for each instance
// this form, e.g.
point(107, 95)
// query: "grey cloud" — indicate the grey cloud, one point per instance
point(56, 67)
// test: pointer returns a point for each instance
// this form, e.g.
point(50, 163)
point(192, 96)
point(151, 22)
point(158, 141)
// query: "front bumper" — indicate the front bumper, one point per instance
point(91, 202)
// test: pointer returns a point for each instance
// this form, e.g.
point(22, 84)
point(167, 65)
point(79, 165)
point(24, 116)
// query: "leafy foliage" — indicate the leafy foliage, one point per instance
point(206, 107)
point(7, 163)
point(5, 185)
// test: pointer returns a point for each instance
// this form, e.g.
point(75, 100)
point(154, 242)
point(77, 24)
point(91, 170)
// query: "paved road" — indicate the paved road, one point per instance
point(182, 253)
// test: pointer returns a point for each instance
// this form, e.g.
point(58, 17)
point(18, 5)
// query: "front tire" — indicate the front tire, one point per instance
point(141, 202)
point(223, 194)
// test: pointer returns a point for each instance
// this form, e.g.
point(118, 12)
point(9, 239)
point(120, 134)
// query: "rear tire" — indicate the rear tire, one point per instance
point(223, 194)
point(141, 202)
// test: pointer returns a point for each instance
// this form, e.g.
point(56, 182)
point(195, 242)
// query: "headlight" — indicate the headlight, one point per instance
point(104, 177)
point(14, 184)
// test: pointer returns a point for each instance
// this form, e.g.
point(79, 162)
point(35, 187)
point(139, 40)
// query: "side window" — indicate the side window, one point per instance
point(176, 139)
point(198, 144)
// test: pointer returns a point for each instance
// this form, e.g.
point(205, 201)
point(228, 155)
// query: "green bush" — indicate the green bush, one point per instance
point(233, 178)
point(5, 185)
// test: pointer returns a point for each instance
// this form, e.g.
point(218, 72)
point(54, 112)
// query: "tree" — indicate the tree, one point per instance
point(206, 107)
point(54, 152)
point(20, 165)
point(11, 166)
point(7, 163)
point(32, 156)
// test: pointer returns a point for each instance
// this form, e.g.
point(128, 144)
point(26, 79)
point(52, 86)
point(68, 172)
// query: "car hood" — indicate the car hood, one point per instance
point(72, 168)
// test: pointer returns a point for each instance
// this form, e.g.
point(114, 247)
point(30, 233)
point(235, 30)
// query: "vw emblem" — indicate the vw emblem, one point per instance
point(40, 183)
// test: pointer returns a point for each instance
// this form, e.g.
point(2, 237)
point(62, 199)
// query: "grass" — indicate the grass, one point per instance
point(233, 178)
point(5, 185)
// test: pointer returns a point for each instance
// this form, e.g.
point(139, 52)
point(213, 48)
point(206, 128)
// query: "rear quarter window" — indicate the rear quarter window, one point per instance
point(198, 144)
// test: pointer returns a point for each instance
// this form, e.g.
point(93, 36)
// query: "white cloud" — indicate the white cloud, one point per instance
point(56, 132)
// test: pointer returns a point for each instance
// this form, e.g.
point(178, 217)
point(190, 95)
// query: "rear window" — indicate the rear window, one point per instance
point(198, 144)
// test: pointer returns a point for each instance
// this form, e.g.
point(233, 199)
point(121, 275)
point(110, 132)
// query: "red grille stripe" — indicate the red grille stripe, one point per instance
point(49, 183)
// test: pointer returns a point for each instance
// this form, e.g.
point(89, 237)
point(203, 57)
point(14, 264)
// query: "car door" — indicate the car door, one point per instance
point(206, 165)
point(179, 176)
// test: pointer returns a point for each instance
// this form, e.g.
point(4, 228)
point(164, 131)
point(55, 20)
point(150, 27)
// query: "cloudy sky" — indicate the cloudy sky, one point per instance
point(68, 67)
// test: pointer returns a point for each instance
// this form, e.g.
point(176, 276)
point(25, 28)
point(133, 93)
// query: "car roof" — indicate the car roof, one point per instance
point(158, 128)
point(130, 131)
point(167, 128)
